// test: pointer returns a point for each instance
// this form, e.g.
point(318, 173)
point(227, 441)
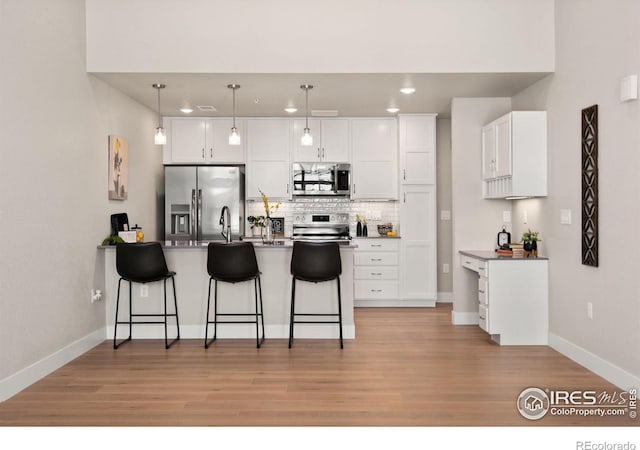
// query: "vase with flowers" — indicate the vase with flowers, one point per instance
point(268, 225)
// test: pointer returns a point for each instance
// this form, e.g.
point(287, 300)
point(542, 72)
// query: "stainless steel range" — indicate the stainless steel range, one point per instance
point(321, 227)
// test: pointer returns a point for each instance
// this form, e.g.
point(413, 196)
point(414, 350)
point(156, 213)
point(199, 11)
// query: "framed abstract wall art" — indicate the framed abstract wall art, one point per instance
point(118, 168)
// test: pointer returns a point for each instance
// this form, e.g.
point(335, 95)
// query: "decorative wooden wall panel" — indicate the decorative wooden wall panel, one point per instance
point(590, 186)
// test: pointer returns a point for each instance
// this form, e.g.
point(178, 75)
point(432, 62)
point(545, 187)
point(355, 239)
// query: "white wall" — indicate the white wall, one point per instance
point(311, 36)
point(54, 211)
point(476, 222)
point(443, 180)
point(591, 60)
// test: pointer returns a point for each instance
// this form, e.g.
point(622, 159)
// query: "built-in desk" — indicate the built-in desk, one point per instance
point(513, 296)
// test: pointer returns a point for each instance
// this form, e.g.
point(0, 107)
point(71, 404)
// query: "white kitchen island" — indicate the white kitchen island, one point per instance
point(189, 261)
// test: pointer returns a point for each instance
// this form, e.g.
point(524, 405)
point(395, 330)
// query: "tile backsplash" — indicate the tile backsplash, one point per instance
point(375, 212)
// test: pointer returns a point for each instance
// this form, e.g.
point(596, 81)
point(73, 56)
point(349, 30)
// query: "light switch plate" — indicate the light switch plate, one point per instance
point(506, 216)
point(629, 88)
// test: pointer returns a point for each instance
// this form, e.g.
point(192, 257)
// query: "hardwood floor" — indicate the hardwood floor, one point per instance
point(407, 367)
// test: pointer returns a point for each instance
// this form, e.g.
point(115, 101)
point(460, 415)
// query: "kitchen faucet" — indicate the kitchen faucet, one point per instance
point(225, 221)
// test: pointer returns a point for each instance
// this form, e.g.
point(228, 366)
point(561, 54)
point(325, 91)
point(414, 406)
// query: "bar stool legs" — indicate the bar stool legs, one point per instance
point(259, 316)
point(164, 316)
point(294, 314)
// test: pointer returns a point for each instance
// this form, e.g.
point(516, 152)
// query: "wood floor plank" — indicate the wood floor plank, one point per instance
point(406, 367)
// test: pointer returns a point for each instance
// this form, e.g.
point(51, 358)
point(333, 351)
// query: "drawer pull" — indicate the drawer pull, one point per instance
point(376, 290)
point(376, 245)
point(376, 273)
point(376, 259)
point(481, 291)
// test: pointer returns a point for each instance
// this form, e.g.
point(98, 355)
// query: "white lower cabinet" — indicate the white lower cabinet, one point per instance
point(375, 272)
point(512, 298)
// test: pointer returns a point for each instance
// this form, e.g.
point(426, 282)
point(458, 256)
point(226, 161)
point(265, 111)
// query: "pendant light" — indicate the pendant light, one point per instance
point(306, 139)
point(160, 137)
point(234, 137)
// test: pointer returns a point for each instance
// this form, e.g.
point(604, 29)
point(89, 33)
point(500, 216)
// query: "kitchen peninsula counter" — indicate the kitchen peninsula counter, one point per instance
point(189, 261)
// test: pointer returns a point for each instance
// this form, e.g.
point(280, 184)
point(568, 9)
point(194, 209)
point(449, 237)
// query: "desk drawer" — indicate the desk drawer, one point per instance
point(376, 259)
point(375, 273)
point(470, 263)
point(483, 318)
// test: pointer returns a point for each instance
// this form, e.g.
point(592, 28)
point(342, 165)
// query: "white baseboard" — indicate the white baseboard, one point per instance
point(610, 372)
point(24, 378)
point(445, 297)
point(464, 318)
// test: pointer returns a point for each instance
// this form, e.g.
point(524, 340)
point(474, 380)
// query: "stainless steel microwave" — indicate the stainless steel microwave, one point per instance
point(321, 179)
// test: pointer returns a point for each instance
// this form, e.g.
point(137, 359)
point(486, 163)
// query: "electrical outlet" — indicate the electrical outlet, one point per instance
point(445, 214)
point(96, 295)
point(144, 291)
point(445, 268)
point(590, 310)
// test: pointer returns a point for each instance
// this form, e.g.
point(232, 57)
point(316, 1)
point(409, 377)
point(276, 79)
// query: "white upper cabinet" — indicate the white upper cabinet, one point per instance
point(268, 158)
point(374, 150)
point(514, 155)
point(417, 149)
point(330, 140)
point(201, 141)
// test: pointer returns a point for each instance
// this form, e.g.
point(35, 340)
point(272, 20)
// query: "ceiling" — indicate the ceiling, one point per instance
point(352, 95)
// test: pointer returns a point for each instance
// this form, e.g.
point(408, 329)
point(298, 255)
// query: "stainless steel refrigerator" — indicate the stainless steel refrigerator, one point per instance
point(194, 198)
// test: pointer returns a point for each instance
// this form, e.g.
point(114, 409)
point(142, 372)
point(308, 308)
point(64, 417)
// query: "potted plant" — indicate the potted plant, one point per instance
point(530, 240)
point(256, 223)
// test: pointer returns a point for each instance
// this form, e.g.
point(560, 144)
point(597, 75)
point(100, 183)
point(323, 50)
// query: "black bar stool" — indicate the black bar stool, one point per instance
point(144, 263)
point(315, 262)
point(232, 263)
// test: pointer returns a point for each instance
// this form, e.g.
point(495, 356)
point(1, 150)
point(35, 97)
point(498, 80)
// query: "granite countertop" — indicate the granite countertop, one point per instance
point(257, 243)
point(377, 236)
point(486, 255)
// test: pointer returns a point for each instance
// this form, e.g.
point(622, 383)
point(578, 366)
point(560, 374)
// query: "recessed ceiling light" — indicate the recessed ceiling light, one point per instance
point(408, 90)
point(393, 110)
point(291, 110)
point(186, 110)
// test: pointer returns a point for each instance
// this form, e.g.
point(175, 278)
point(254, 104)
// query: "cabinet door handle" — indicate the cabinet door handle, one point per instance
point(202, 152)
point(287, 188)
point(322, 152)
point(404, 174)
point(354, 189)
point(211, 152)
point(404, 197)
point(318, 152)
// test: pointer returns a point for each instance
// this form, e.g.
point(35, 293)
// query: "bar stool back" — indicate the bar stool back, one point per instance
point(315, 262)
point(144, 263)
point(233, 262)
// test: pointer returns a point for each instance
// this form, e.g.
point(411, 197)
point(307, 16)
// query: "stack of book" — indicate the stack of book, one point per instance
point(518, 250)
point(504, 252)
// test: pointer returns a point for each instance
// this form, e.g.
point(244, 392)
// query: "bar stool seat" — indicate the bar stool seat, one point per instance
point(233, 262)
point(144, 263)
point(315, 262)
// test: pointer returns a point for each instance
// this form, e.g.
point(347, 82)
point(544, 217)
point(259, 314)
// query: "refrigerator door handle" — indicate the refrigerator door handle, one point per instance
point(199, 214)
point(192, 211)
